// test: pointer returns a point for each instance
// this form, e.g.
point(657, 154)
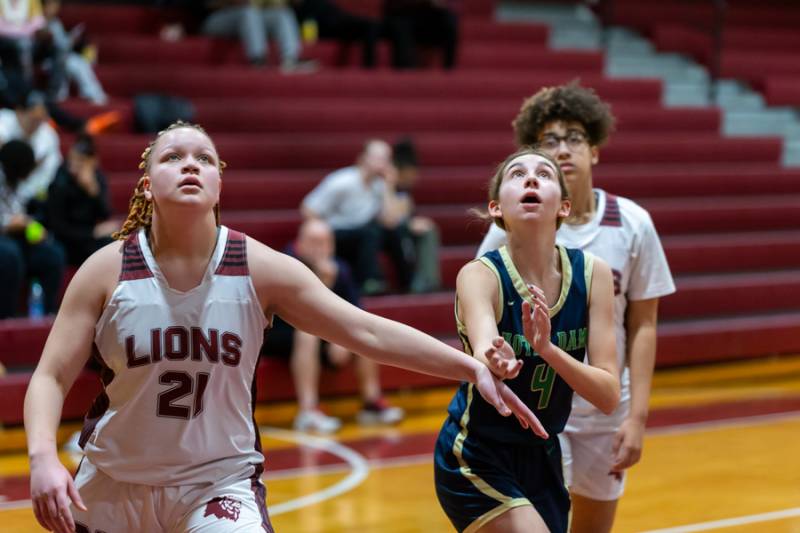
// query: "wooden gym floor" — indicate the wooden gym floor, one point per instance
point(720, 455)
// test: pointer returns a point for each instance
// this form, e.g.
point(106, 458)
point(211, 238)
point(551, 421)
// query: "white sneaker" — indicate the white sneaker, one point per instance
point(379, 413)
point(316, 421)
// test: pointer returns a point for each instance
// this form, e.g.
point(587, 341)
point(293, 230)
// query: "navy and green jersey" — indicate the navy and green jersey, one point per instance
point(537, 384)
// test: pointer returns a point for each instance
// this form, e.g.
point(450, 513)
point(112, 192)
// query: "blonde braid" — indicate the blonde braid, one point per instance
point(140, 211)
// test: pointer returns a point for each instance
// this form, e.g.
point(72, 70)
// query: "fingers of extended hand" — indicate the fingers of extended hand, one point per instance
point(38, 512)
point(523, 412)
point(50, 513)
point(495, 362)
point(489, 386)
point(64, 511)
point(626, 458)
point(538, 294)
point(74, 495)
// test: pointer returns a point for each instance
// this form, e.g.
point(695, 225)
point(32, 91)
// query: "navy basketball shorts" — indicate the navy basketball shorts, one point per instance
point(478, 479)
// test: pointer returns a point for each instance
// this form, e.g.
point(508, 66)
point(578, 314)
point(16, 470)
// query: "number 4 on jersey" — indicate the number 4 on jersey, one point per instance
point(543, 378)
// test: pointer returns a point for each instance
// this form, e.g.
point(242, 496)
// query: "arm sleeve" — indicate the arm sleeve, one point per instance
point(494, 239)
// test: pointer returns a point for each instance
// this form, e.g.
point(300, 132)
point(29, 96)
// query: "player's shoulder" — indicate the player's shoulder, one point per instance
point(630, 212)
point(267, 266)
point(258, 253)
point(101, 271)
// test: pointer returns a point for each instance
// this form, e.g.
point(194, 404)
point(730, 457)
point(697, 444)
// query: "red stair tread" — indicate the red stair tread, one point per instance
point(234, 81)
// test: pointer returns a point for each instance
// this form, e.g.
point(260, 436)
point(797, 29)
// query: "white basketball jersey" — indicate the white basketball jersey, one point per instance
point(623, 235)
point(178, 372)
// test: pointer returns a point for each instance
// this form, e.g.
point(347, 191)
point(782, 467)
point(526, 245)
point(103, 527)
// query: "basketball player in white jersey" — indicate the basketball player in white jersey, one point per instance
point(175, 316)
point(570, 122)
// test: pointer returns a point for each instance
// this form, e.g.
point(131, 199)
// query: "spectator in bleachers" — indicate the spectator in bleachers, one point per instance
point(28, 121)
point(26, 250)
point(66, 62)
point(315, 248)
point(253, 22)
point(352, 201)
point(19, 22)
point(335, 23)
point(420, 234)
point(430, 23)
point(77, 205)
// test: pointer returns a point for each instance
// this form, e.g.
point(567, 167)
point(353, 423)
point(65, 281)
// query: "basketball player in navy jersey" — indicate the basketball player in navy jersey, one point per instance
point(571, 123)
point(552, 305)
point(175, 316)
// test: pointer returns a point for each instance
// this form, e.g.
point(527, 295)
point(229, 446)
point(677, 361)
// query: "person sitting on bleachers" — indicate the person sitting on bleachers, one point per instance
point(19, 22)
point(65, 60)
point(28, 121)
point(253, 22)
point(410, 23)
point(315, 248)
point(77, 206)
point(26, 250)
point(352, 201)
point(419, 234)
point(333, 22)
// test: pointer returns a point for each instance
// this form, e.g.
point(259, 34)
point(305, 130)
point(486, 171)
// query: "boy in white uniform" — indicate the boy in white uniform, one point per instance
point(571, 123)
point(176, 317)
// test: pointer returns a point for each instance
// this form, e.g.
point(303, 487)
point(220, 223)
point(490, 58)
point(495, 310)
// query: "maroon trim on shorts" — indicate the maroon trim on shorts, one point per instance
point(133, 264)
point(611, 215)
point(234, 260)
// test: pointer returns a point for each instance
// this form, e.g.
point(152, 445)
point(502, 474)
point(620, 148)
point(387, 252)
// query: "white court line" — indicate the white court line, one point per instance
point(358, 469)
point(17, 504)
point(337, 468)
point(754, 420)
point(356, 463)
point(360, 466)
point(730, 522)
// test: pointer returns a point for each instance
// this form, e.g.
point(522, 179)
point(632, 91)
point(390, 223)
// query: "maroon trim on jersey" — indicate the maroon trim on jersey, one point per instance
point(234, 260)
point(133, 263)
point(100, 404)
point(611, 215)
point(258, 488)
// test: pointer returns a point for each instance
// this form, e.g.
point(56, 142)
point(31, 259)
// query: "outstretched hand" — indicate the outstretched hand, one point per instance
point(502, 361)
point(536, 320)
point(52, 489)
point(506, 402)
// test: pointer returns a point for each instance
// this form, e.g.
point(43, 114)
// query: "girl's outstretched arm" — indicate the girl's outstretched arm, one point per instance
point(288, 288)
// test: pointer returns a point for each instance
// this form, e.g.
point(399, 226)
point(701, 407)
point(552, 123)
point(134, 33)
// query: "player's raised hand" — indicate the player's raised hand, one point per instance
point(502, 361)
point(506, 402)
point(536, 320)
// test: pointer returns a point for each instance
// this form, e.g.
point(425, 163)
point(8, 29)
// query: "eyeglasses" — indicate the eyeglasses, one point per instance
point(551, 142)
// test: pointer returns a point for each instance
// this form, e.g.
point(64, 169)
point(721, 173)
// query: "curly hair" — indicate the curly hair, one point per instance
point(569, 103)
point(140, 211)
